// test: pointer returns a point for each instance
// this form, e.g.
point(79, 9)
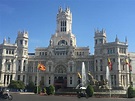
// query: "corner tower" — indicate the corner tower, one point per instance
point(22, 59)
point(100, 37)
point(100, 40)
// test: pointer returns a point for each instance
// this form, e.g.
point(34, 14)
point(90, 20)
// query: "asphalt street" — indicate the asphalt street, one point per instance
point(33, 97)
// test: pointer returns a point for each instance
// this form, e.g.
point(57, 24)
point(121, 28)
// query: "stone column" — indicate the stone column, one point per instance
point(9, 79)
point(119, 79)
point(2, 79)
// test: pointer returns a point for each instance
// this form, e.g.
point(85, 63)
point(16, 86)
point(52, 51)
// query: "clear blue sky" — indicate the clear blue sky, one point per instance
point(38, 17)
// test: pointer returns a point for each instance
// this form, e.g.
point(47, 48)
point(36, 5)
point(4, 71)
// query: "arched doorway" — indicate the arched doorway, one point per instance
point(60, 77)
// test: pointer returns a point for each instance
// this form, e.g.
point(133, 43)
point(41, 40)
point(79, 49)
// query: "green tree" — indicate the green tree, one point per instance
point(89, 91)
point(21, 84)
point(16, 84)
point(13, 84)
point(39, 90)
point(131, 92)
point(30, 86)
point(50, 90)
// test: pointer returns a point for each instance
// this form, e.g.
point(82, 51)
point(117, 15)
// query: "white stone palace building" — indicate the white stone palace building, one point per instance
point(63, 59)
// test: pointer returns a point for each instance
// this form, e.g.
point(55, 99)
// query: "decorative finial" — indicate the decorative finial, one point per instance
point(4, 40)
point(116, 39)
point(126, 40)
point(60, 9)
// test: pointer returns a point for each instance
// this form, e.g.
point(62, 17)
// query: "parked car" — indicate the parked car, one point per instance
point(82, 92)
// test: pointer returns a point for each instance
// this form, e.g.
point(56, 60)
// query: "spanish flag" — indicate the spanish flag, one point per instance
point(41, 67)
point(109, 64)
point(79, 75)
point(126, 61)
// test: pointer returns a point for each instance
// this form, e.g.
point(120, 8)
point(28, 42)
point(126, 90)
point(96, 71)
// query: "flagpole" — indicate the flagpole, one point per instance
point(110, 83)
point(37, 80)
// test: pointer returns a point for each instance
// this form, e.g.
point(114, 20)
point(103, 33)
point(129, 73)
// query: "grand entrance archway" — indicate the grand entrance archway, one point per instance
point(60, 77)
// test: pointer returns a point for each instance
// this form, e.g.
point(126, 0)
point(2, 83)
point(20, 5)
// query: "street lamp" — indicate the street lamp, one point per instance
point(130, 70)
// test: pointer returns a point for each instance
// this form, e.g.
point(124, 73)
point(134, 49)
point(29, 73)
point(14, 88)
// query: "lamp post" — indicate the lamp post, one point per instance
point(36, 74)
point(130, 70)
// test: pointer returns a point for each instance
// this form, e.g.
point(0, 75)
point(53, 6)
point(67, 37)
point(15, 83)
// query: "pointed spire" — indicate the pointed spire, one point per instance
point(116, 39)
point(8, 39)
point(103, 31)
point(126, 40)
point(67, 9)
point(60, 9)
point(4, 40)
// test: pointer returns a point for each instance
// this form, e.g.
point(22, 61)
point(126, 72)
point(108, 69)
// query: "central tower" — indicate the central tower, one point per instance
point(64, 21)
point(63, 35)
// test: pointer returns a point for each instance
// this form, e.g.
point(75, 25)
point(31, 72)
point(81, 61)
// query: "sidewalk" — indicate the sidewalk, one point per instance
point(22, 93)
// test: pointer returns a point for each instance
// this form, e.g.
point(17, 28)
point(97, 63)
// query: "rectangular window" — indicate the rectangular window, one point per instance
point(30, 78)
point(7, 79)
point(25, 42)
point(96, 77)
point(101, 40)
point(12, 51)
point(45, 53)
point(100, 61)
point(35, 80)
point(70, 80)
point(23, 78)
point(19, 68)
point(10, 77)
point(40, 53)
point(21, 42)
point(42, 81)
point(49, 80)
point(101, 68)
point(96, 68)
point(8, 67)
point(18, 77)
point(95, 41)
point(9, 51)
point(6, 51)
point(23, 68)
point(101, 77)
point(70, 68)
point(19, 61)
point(108, 51)
point(4, 79)
point(115, 79)
point(113, 50)
point(49, 68)
point(112, 79)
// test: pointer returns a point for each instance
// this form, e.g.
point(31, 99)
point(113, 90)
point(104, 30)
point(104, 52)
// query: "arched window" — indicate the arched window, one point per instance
point(60, 69)
point(62, 42)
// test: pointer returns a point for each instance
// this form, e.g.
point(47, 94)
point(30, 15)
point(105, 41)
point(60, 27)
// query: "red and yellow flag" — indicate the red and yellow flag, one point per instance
point(41, 67)
point(109, 64)
point(126, 61)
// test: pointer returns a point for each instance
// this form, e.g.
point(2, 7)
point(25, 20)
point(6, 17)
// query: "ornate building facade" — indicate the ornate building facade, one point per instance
point(63, 59)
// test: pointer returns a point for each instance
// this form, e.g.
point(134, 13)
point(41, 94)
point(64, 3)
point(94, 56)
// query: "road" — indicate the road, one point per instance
point(33, 97)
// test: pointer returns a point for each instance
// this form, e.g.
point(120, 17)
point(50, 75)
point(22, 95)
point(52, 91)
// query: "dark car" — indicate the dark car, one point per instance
point(81, 92)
